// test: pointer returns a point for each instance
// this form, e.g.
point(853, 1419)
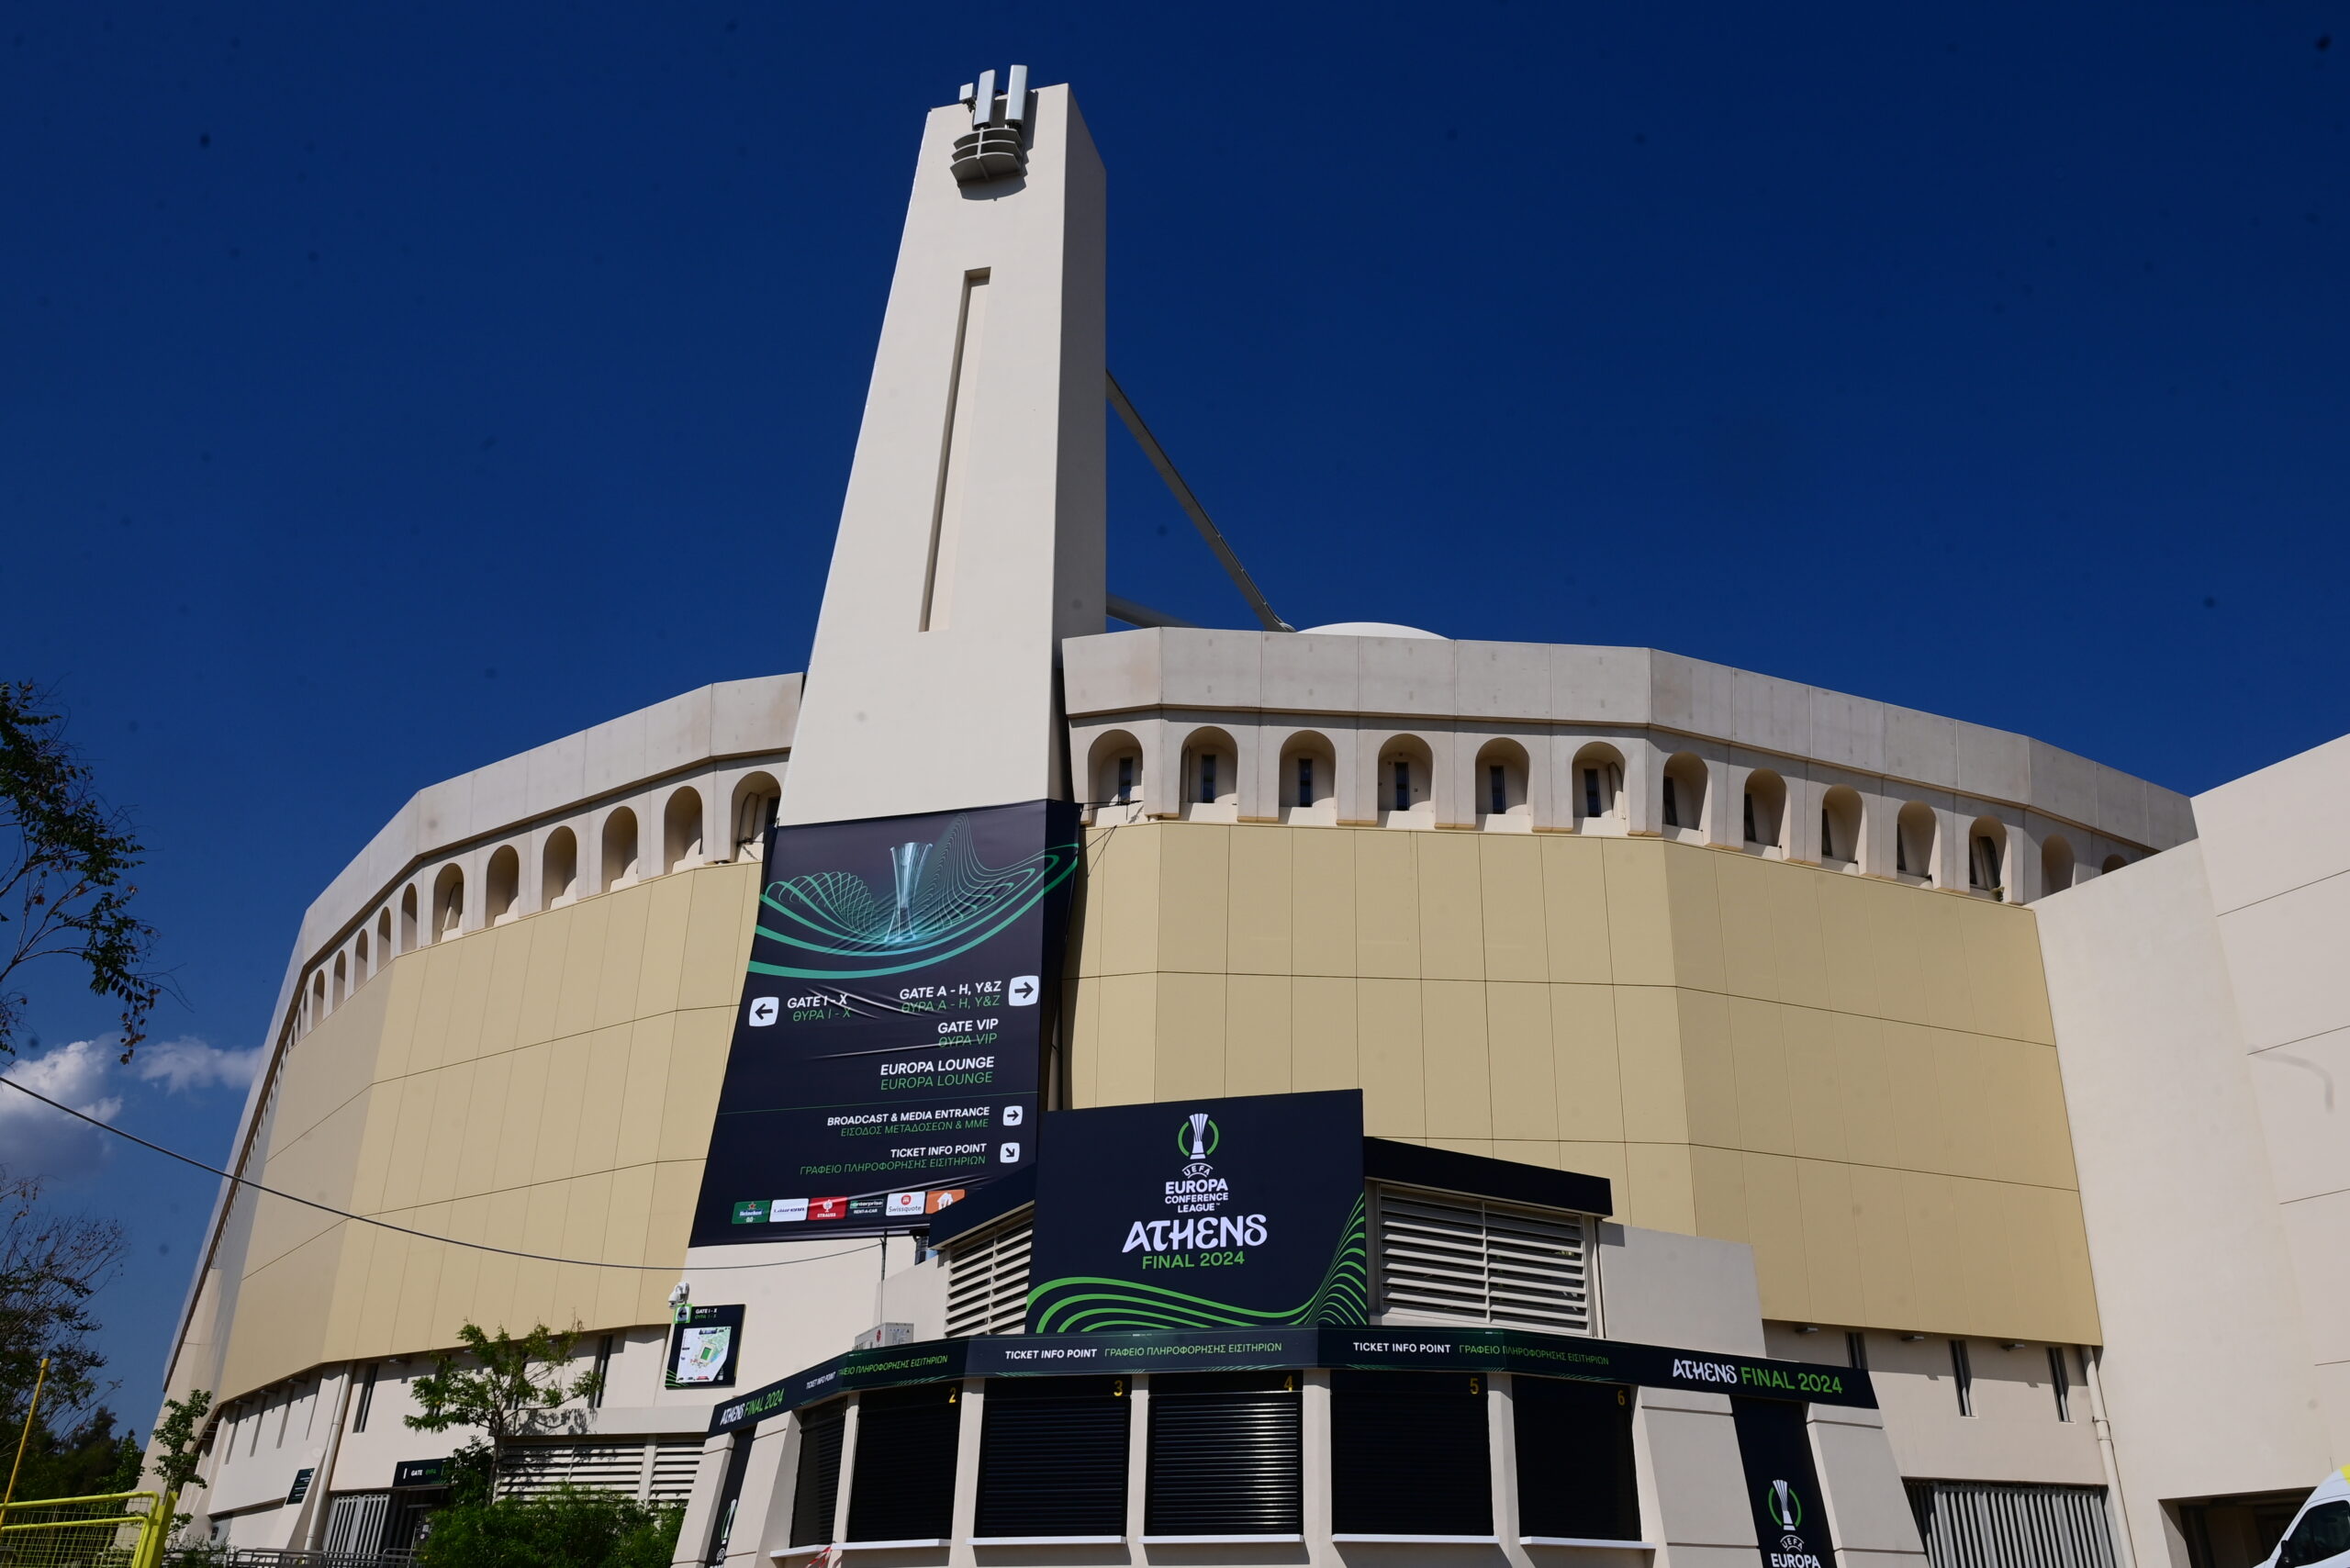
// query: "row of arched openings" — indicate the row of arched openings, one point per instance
point(425, 913)
point(1306, 779)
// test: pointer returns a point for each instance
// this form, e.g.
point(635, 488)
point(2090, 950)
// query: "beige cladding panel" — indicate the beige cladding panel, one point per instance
point(546, 1086)
point(1854, 1077)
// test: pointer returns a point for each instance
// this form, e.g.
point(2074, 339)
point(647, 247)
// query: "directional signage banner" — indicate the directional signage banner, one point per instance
point(885, 1053)
point(1781, 1487)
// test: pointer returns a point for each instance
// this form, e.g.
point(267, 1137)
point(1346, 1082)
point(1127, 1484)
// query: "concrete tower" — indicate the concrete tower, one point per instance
point(971, 540)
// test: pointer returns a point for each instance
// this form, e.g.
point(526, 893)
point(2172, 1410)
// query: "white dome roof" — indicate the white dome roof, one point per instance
point(1366, 629)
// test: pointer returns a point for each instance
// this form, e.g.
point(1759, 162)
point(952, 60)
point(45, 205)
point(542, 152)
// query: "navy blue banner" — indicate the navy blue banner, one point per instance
point(1789, 1385)
point(1200, 1214)
point(886, 1054)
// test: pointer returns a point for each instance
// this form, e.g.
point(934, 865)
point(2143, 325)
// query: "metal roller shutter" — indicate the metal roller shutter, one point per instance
point(986, 1280)
point(1226, 1455)
point(902, 1487)
point(1975, 1525)
point(1409, 1454)
point(1444, 1257)
point(816, 1487)
point(1575, 1475)
point(1053, 1457)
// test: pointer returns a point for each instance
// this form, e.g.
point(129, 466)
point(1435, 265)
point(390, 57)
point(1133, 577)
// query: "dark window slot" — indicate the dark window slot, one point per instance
point(904, 1486)
point(1409, 1454)
point(817, 1484)
point(1053, 1457)
point(1574, 1459)
point(1226, 1455)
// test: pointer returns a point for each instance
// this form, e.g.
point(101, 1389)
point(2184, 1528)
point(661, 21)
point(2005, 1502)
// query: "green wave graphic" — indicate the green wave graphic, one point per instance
point(1081, 1304)
point(957, 903)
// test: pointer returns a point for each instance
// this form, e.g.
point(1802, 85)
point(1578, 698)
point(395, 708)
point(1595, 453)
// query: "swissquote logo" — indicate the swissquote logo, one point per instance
point(1200, 1194)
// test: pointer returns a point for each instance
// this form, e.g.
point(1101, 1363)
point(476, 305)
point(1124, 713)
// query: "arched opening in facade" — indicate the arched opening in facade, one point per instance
point(1113, 771)
point(1765, 810)
point(317, 1001)
point(1502, 779)
point(1596, 783)
point(502, 886)
point(559, 869)
point(1986, 857)
point(1683, 806)
point(619, 868)
point(1913, 840)
point(408, 918)
point(1211, 776)
point(1839, 825)
point(1308, 779)
point(1404, 783)
point(448, 903)
point(757, 797)
point(341, 980)
point(2113, 863)
point(2056, 864)
point(681, 831)
point(359, 968)
point(383, 939)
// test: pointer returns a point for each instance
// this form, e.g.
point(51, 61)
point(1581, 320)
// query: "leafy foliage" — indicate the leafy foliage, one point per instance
point(503, 1388)
point(49, 1266)
point(569, 1527)
point(63, 852)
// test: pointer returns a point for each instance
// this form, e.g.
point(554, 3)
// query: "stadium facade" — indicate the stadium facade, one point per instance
point(1749, 1093)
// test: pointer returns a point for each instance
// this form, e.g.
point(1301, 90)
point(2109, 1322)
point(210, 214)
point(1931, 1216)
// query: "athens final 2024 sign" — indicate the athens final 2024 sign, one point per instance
point(1242, 1212)
point(885, 1057)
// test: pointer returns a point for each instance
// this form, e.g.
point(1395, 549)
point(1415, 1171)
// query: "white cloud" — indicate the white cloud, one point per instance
point(40, 1141)
point(36, 1140)
point(181, 1065)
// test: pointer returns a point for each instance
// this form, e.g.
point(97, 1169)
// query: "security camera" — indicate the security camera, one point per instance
point(678, 1292)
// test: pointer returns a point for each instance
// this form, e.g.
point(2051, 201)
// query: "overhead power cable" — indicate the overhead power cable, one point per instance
point(404, 1230)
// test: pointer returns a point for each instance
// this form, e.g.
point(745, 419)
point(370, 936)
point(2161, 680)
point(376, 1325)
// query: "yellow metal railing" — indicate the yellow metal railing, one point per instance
point(115, 1529)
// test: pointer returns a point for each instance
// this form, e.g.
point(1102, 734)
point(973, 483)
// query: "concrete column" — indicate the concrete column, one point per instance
point(1643, 795)
point(1951, 849)
point(1693, 1485)
point(971, 537)
point(770, 1488)
point(1868, 1513)
point(1502, 1437)
point(965, 1515)
point(1315, 1420)
point(848, 1469)
point(701, 1502)
point(1879, 822)
point(1137, 1454)
point(1726, 803)
point(1804, 797)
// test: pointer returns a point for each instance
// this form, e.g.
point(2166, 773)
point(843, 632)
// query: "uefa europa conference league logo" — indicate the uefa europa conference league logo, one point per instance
point(1168, 1243)
point(1783, 1503)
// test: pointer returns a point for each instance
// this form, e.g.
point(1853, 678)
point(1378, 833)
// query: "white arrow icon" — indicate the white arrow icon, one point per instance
point(1022, 990)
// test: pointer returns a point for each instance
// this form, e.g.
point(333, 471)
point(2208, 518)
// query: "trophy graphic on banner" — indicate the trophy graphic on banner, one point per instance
point(1199, 1135)
point(905, 868)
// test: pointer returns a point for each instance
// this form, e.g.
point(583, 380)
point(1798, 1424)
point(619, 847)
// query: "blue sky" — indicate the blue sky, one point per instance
point(391, 389)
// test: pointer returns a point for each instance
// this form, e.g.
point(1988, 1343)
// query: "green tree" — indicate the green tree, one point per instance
point(571, 1527)
point(177, 1457)
point(503, 1388)
point(50, 1265)
point(63, 854)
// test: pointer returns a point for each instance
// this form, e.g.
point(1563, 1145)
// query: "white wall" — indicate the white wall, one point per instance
point(2208, 1369)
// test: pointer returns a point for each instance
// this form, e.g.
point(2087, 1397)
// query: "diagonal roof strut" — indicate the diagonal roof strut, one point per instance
point(1191, 505)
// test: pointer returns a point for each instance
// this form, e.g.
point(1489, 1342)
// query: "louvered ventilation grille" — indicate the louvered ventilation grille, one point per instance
point(987, 1281)
point(1460, 1259)
point(674, 1464)
point(533, 1468)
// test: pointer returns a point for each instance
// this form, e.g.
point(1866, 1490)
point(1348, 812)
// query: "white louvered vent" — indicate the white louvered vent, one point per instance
point(1448, 1257)
point(987, 1279)
point(529, 1469)
point(675, 1462)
